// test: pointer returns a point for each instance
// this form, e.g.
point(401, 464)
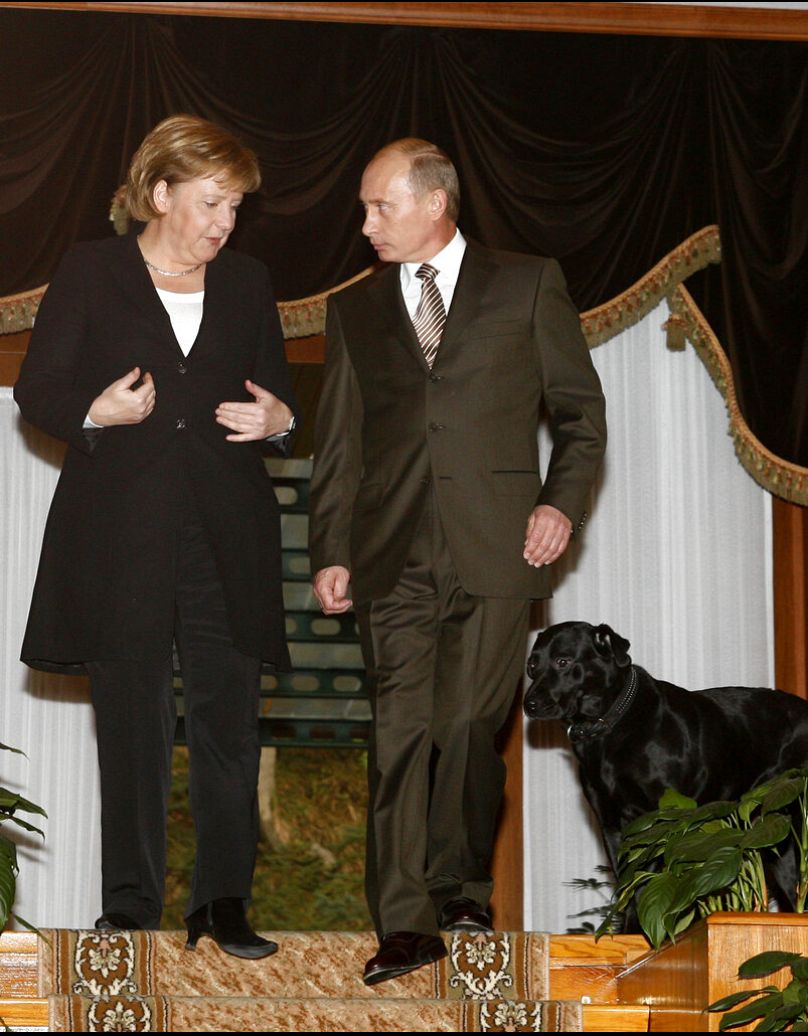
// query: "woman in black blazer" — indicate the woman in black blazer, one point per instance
point(159, 359)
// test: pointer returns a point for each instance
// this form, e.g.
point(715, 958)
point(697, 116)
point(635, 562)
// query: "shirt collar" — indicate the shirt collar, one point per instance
point(447, 262)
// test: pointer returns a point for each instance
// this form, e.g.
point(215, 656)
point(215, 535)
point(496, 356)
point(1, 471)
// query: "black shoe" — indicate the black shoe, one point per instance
point(464, 915)
point(225, 922)
point(400, 952)
point(113, 922)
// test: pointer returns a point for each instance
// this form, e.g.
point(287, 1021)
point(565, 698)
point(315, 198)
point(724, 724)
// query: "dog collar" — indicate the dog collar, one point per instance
point(589, 730)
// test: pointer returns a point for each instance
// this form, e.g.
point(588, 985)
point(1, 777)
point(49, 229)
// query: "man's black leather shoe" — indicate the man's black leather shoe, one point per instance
point(464, 915)
point(116, 922)
point(400, 952)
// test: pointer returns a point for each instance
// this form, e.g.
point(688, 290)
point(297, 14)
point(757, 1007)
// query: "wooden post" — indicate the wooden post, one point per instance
point(790, 535)
point(507, 903)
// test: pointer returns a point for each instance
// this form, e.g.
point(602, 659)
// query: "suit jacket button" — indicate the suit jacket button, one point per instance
point(181, 424)
point(182, 368)
point(435, 427)
point(436, 377)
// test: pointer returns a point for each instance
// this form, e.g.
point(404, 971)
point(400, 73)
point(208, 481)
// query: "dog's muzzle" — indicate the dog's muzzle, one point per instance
point(539, 705)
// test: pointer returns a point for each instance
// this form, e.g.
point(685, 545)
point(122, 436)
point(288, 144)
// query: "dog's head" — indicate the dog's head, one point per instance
point(577, 670)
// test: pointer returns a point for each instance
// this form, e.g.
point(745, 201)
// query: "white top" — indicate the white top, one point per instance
point(446, 262)
point(185, 312)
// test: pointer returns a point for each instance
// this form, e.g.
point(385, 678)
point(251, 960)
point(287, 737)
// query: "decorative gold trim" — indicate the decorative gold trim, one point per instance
point(17, 312)
point(628, 308)
point(778, 476)
point(301, 318)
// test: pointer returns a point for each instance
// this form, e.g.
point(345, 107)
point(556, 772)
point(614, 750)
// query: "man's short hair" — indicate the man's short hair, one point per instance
point(430, 169)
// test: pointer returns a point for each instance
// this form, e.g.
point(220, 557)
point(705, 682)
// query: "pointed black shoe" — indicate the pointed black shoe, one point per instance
point(225, 922)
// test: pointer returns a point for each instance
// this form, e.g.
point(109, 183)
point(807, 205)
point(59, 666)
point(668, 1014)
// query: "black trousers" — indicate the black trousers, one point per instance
point(135, 721)
point(444, 668)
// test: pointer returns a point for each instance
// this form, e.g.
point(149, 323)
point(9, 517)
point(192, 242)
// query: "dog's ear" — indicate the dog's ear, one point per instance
point(611, 644)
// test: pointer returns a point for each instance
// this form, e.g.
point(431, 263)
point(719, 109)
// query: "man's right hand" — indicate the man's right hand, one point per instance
point(119, 403)
point(330, 588)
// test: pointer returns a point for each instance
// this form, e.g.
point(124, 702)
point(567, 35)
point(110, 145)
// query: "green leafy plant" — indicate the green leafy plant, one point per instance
point(684, 861)
point(11, 805)
point(778, 1009)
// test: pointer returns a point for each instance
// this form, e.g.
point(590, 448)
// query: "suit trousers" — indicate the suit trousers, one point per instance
point(135, 723)
point(443, 670)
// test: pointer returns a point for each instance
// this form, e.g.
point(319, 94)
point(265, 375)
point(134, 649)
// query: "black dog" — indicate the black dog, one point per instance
point(635, 736)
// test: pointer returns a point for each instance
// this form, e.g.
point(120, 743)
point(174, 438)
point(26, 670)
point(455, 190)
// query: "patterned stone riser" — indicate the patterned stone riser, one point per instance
point(263, 1014)
point(308, 964)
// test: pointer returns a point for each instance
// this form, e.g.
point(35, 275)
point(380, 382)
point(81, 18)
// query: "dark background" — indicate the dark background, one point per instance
point(604, 151)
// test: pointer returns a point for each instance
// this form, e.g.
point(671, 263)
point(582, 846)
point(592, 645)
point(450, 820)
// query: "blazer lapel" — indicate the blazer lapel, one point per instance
point(137, 286)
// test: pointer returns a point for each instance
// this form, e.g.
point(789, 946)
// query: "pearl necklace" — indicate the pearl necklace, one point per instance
point(171, 273)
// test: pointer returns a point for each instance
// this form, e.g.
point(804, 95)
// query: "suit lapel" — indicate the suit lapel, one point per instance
point(476, 271)
point(475, 275)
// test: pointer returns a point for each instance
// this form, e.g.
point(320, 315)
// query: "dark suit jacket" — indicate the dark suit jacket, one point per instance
point(388, 427)
point(105, 587)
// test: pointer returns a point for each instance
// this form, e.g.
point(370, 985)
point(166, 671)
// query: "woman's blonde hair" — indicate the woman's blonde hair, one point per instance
point(183, 148)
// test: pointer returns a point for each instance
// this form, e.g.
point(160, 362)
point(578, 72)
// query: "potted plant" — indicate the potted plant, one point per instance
point(697, 874)
point(11, 805)
point(683, 861)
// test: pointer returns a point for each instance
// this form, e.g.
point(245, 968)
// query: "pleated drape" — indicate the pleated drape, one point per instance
point(603, 151)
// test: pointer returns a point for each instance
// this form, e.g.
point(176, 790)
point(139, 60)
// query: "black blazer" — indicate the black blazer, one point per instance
point(388, 427)
point(105, 587)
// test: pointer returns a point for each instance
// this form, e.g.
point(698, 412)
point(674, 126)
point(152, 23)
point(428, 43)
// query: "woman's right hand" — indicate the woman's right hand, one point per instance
point(119, 403)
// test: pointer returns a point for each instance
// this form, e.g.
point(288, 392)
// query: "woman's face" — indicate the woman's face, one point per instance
point(197, 217)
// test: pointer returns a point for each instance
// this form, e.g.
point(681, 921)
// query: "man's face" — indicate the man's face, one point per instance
point(401, 227)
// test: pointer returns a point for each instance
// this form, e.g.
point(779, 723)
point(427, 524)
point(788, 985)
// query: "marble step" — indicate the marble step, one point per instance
point(580, 969)
point(307, 965)
point(31, 1015)
point(268, 1014)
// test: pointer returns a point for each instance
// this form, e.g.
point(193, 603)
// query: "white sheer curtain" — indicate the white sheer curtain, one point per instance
point(48, 717)
point(676, 557)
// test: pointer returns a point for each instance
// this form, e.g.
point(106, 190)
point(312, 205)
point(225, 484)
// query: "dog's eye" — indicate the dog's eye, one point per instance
point(561, 663)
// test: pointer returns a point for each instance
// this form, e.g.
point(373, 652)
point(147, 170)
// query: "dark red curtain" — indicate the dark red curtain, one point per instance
point(603, 151)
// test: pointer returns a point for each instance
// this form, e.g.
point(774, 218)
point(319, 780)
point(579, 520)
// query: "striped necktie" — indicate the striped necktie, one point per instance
point(430, 316)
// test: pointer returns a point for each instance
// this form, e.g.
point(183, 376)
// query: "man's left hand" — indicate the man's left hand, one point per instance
point(548, 533)
point(251, 422)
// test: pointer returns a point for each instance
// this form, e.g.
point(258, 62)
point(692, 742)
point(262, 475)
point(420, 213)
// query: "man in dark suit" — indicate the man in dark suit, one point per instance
point(426, 496)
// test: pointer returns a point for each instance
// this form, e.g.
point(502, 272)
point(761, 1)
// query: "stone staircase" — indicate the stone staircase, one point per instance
point(80, 981)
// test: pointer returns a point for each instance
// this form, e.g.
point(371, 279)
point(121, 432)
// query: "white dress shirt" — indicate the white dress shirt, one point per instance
point(446, 262)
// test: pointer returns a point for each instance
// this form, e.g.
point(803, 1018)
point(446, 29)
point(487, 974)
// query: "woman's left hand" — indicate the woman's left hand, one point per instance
point(250, 422)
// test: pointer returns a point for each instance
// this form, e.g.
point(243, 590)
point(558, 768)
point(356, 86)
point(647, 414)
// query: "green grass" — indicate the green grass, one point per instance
point(311, 879)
